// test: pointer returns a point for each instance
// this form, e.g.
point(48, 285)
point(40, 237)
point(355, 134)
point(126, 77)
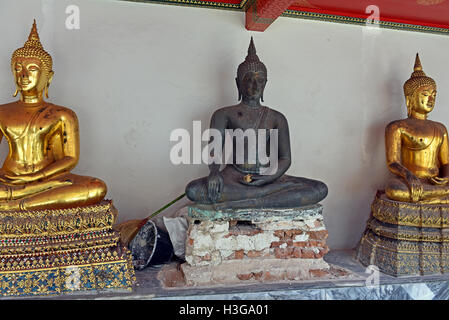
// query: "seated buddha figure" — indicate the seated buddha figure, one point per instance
point(243, 185)
point(43, 141)
point(417, 148)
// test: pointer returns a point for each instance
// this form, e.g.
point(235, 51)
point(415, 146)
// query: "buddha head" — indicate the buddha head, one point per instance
point(420, 91)
point(31, 66)
point(251, 75)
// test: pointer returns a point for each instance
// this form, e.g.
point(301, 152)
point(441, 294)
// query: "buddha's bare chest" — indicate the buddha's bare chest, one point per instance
point(421, 138)
point(25, 125)
point(249, 120)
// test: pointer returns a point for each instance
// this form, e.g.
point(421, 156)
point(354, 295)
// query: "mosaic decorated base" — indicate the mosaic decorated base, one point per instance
point(406, 238)
point(60, 251)
point(410, 214)
point(65, 279)
point(403, 258)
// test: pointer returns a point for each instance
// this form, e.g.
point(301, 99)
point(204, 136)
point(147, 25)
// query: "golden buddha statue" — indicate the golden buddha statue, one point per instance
point(407, 231)
point(52, 223)
point(417, 149)
point(43, 141)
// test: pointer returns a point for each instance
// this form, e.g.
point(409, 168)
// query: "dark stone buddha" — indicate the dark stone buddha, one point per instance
point(247, 184)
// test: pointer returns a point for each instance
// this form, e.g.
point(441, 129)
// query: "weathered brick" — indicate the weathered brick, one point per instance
point(318, 235)
point(301, 244)
point(258, 275)
point(307, 254)
point(252, 275)
point(267, 254)
point(297, 253)
point(317, 243)
point(290, 234)
point(243, 232)
point(245, 276)
point(280, 234)
point(310, 243)
point(279, 253)
point(287, 234)
point(317, 273)
point(267, 276)
point(239, 254)
point(283, 253)
point(254, 254)
point(322, 252)
point(276, 244)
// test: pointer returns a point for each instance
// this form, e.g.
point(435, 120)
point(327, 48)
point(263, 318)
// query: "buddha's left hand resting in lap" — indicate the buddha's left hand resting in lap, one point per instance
point(43, 141)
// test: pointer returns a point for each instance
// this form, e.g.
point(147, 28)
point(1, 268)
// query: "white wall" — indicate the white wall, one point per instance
point(134, 72)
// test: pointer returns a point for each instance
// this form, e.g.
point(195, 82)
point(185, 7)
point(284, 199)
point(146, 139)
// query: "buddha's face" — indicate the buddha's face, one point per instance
point(423, 99)
point(253, 84)
point(30, 75)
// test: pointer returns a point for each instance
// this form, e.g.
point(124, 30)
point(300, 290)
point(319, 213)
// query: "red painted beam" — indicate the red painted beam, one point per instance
point(262, 13)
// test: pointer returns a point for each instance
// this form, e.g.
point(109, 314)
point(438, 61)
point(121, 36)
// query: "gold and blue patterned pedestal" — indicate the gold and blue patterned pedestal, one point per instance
point(406, 238)
point(61, 251)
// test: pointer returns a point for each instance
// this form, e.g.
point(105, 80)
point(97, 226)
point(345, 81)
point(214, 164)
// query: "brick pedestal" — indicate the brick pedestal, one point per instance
point(255, 245)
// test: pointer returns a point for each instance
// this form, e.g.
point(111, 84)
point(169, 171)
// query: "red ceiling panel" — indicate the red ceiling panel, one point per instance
point(414, 15)
point(419, 12)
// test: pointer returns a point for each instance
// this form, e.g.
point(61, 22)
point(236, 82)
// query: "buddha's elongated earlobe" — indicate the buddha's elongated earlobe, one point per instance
point(263, 90)
point(409, 107)
point(16, 93)
point(238, 88)
point(50, 78)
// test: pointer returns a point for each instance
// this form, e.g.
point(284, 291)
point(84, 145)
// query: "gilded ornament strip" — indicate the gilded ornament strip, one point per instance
point(10, 240)
point(360, 21)
point(205, 4)
point(407, 214)
point(403, 246)
point(19, 252)
point(60, 222)
point(415, 234)
point(94, 264)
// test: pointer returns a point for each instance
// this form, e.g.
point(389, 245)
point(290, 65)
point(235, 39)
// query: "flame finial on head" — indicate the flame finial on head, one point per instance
point(417, 79)
point(33, 38)
point(252, 49)
point(33, 49)
point(251, 63)
point(418, 66)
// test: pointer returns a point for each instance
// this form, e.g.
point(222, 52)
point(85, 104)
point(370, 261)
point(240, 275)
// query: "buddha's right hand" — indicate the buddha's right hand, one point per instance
point(441, 181)
point(416, 186)
point(214, 186)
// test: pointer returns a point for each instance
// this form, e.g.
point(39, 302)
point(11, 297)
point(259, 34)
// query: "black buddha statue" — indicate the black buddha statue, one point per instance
point(242, 185)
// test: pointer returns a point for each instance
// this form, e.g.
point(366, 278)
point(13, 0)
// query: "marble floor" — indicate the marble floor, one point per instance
point(362, 284)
